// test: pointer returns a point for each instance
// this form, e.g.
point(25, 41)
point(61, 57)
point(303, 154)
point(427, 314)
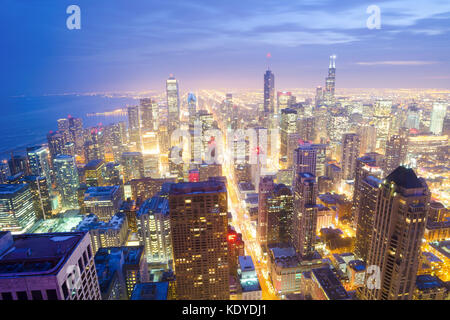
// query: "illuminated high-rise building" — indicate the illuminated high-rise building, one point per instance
point(149, 112)
point(153, 226)
point(367, 193)
point(306, 128)
point(382, 122)
point(38, 162)
point(437, 117)
point(304, 219)
point(280, 208)
point(173, 104)
point(17, 211)
point(330, 83)
point(284, 100)
point(288, 128)
point(72, 130)
point(199, 224)
point(305, 159)
point(104, 201)
point(134, 126)
point(366, 165)
point(41, 196)
point(56, 143)
point(319, 96)
point(269, 92)
point(368, 136)
point(350, 152)
point(93, 172)
point(396, 151)
point(413, 116)
point(192, 107)
point(398, 229)
point(133, 165)
point(266, 187)
point(67, 182)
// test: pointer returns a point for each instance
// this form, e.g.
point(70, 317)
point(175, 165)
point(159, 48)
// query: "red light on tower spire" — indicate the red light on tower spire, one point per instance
point(268, 56)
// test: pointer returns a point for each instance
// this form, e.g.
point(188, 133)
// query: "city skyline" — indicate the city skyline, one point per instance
point(167, 151)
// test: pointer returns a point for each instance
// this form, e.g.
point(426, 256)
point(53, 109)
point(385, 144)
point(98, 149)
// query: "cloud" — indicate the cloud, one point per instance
point(397, 63)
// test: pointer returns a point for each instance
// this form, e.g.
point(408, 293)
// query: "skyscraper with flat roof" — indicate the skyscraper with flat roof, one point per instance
point(67, 180)
point(173, 103)
point(305, 214)
point(199, 223)
point(350, 152)
point(38, 162)
point(52, 266)
point(438, 117)
point(17, 211)
point(269, 92)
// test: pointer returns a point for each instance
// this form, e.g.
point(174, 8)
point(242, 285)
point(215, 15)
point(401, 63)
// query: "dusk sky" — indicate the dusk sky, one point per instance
point(135, 45)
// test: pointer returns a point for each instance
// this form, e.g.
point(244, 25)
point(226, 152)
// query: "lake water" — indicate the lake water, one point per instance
point(25, 121)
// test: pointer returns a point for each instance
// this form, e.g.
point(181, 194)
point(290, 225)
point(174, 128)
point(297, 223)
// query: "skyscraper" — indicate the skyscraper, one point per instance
point(17, 212)
point(330, 82)
point(365, 166)
point(134, 125)
point(199, 223)
point(67, 180)
point(280, 209)
point(399, 225)
point(382, 122)
point(396, 150)
point(438, 117)
point(173, 104)
point(266, 187)
point(368, 192)
point(269, 92)
point(51, 266)
point(38, 162)
point(288, 129)
point(305, 159)
point(350, 152)
point(56, 143)
point(133, 165)
point(305, 214)
point(149, 114)
point(192, 108)
point(153, 225)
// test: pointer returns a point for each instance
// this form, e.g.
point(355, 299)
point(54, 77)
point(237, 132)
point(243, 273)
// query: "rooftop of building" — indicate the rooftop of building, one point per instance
point(131, 255)
point(101, 192)
point(250, 285)
point(186, 188)
point(405, 178)
point(246, 186)
point(330, 284)
point(285, 257)
point(8, 190)
point(150, 291)
point(246, 263)
point(154, 205)
point(357, 265)
point(94, 164)
point(431, 257)
point(442, 247)
point(91, 222)
point(427, 282)
point(373, 181)
point(37, 254)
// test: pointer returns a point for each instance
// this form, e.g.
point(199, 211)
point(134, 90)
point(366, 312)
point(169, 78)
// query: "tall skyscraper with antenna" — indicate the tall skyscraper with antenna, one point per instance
point(330, 82)
point(269, 89)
